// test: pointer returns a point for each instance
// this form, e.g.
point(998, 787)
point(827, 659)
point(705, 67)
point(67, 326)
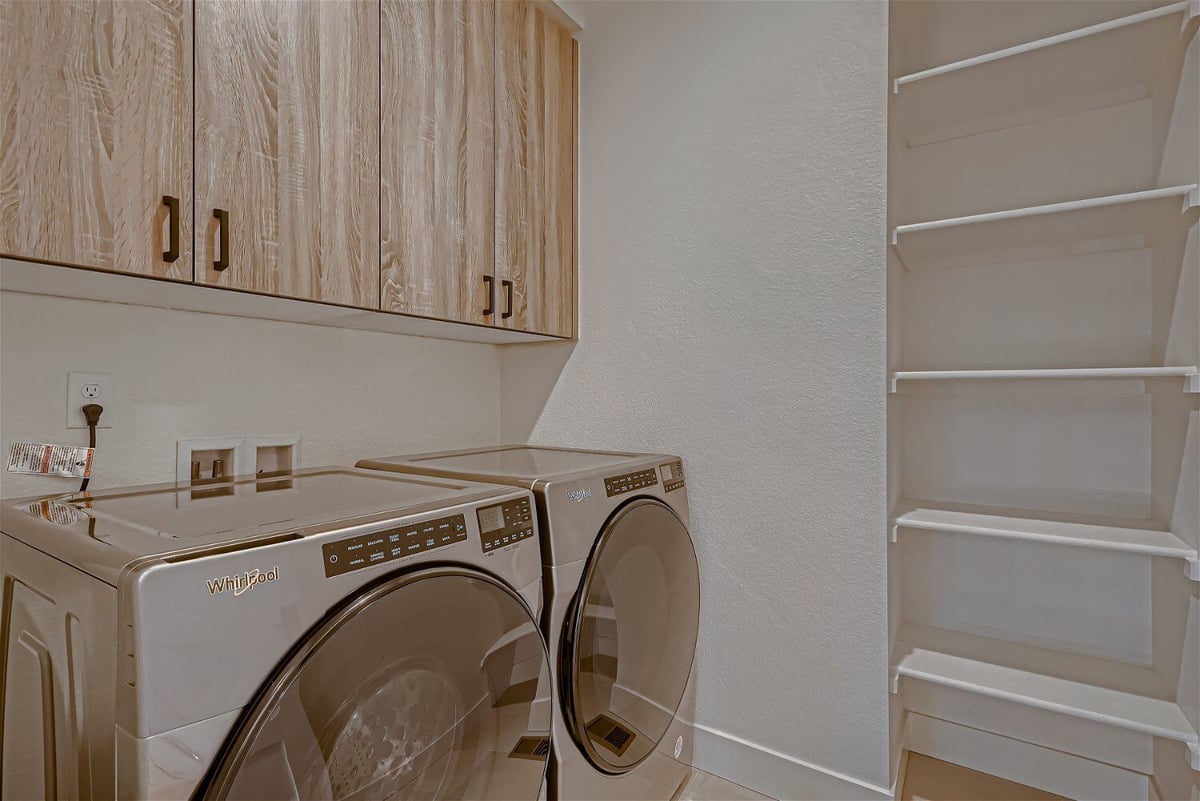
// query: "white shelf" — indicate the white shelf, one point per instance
point(1093, 67)
point(1054, 229)
point(1112, 693)
point(1095, 533)
point(1190, 374)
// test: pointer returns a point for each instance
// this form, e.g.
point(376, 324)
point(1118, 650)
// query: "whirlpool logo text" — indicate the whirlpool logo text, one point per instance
point(579, 494)
point(243, 582)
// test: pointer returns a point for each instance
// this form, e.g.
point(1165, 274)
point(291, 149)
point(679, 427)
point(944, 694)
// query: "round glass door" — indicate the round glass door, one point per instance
point(630, 636)
point(431, 685)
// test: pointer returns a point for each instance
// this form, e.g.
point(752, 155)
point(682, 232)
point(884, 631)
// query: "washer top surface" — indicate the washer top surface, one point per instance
point(111, 528)
point(525, 463)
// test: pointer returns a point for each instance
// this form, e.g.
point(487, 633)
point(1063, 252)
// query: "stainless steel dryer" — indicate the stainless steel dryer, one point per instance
point(328, 634)
point(622, 613)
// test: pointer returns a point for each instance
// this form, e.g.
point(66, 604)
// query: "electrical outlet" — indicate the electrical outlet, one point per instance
point(83, 388)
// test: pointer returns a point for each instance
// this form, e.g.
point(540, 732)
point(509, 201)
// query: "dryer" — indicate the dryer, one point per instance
point(622, 609)
point(331, 633)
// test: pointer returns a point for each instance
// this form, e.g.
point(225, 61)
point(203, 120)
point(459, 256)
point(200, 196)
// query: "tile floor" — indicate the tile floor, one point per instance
point(927, 779)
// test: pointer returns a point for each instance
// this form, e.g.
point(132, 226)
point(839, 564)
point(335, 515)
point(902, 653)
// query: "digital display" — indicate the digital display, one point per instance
point(491, 519)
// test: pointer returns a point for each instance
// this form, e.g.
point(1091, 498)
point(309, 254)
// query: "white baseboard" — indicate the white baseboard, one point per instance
point(774, 774)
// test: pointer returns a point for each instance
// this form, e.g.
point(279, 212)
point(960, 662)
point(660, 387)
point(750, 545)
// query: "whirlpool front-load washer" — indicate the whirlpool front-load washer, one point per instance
point(328, 634)
point(622, 613)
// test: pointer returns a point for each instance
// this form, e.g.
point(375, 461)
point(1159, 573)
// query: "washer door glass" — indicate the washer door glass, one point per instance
point(430, 685)
point(630, 637)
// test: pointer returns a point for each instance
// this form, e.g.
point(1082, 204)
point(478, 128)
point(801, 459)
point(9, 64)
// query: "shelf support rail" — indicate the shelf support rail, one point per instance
point(1188, 7)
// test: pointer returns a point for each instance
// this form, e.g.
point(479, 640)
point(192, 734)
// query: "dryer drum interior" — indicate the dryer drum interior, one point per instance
point(420, 687)
point(630, 636)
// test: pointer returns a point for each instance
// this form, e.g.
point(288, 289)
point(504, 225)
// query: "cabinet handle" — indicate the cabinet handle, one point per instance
point(507, 299)
point(222, 218)
point(490, 281)
point(172, 251)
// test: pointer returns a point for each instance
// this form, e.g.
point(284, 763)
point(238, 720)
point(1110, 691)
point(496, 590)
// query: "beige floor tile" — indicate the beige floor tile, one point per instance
point(931, 779)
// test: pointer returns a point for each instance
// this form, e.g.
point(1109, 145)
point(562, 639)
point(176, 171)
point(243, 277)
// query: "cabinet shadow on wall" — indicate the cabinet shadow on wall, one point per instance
point(529, 374)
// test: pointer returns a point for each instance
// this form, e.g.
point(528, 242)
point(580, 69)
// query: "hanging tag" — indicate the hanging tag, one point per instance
point(50, 460)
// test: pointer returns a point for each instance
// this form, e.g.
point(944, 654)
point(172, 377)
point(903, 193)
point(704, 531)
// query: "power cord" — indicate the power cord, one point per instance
point(91, 413)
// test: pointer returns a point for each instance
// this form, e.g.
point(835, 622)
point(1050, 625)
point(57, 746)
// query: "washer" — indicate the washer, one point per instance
point(331, 633)
point(622, 609)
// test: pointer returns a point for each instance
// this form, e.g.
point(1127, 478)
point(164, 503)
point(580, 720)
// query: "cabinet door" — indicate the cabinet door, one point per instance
point(287, 148)
point(437, 158)
point(96, 132)
point(535, 169)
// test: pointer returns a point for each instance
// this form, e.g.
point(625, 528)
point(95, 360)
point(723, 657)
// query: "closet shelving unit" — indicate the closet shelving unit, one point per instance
point(1098, 65)
point(1188, 374)
point(1116, 694)
point(1128, 536)
point(1051, 229)
point(1044, 390)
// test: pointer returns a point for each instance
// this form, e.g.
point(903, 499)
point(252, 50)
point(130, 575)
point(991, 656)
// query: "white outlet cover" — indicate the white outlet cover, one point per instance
point(80, 389)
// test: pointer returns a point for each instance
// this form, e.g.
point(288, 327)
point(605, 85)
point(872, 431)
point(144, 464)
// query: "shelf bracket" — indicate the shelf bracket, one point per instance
point(894, 534)
point(1192, 199)
point(894, 682)
point(1191, 568)
point(1191, 383)
point(1194, 756)
point(899, 251)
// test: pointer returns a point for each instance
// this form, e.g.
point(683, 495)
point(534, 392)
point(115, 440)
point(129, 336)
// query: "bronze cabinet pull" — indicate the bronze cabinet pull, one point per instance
point(172, 251)
point(222, 218)
point(508, 312)
point(490, 309)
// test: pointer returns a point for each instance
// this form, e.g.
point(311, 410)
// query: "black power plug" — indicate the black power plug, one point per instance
point(91, 413)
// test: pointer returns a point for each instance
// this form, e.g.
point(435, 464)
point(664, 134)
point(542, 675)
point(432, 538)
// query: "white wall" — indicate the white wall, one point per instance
point(732, 201)
point(349, 394)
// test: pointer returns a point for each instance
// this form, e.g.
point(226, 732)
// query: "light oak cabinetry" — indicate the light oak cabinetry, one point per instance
point(287, 148)
point(437, 162)
point(535, 169)
point(478, 164)
point(95, 126)
point(402, 157)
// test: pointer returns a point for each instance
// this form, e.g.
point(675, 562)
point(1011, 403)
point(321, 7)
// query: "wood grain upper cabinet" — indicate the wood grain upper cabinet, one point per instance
point(96, 134)
point(535, 170)
point(437, 166)
point(287, 148)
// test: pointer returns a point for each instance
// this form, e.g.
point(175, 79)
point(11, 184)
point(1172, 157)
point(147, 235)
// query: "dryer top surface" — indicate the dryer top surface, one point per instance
point(115, 527)
point(519, 463)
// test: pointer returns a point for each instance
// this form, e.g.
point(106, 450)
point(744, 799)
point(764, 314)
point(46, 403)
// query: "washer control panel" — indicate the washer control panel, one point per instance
point(628, 482)
point(505, 523)
point(355, 553)
point(672, 475)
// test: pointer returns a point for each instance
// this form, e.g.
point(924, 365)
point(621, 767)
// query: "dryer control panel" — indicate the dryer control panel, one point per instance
point(616, 485)
point(505, 523)
point(355, 553)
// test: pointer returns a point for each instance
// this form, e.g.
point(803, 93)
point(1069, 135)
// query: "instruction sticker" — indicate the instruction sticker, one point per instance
point(50, 460)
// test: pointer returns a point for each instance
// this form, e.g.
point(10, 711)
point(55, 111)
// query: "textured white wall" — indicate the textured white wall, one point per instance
point(349, 394)
point(732, 294)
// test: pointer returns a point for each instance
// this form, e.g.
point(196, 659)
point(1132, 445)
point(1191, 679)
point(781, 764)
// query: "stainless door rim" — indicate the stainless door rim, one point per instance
point(230, 758)
point(569, 661)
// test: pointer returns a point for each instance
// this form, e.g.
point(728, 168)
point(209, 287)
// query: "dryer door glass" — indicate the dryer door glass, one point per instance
point(431, 685)
point(630, 637)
